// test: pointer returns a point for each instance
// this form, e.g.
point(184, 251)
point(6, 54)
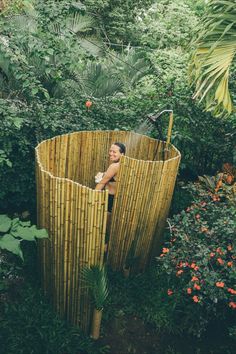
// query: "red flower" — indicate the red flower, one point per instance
point(179, 272)
point(197, 216)
point(196, 298)
point(230, 264)
point(212, 254)
point(165, 250)
point(193, 265)
point(194, 279)
point(231, 291)
point(196, 268)
point(220, 260)
point(88, 104)
point(220, 284)
point(169, 292)
point(218, 250)
point(232, 304)
point(196, 286)
point(189, 291)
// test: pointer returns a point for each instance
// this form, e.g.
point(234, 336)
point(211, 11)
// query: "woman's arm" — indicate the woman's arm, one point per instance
point(111, 172)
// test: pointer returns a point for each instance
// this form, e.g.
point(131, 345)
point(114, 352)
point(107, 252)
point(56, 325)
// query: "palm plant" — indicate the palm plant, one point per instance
point(214, 55)
point(95, 279)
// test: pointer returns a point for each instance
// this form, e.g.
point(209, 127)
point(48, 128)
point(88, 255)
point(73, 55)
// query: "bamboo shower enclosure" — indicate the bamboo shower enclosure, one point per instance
point(75, 214)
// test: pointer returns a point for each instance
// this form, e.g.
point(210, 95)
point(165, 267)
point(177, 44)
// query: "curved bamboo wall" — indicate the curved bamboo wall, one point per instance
point(75, 214)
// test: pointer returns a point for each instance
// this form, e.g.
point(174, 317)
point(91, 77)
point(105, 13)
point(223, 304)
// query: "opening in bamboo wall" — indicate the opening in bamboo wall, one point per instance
point(75, 214)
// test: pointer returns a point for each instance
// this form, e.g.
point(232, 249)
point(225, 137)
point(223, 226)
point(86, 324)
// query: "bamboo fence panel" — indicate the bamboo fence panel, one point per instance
point(75, 215)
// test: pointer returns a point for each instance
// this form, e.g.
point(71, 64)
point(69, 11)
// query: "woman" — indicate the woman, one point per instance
point(108, 178)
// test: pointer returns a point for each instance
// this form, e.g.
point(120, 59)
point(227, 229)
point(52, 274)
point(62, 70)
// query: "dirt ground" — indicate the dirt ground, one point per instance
point(130, 335)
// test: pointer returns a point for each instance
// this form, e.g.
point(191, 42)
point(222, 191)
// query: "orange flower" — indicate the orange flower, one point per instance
point(165, 250)
point(179, 272)
point(231, 291)
point(220, 260)
point(204, 229)
point(219, 250)
point(194, 279)
point(230, 264)
point(212, 254)
point(232, 304)
point(196, 298)
point(193, 265)
point(229, 248)
point(189, 291)
point(196, 268)
point(196, 286)
point(229, 179)
point(88, 104)
point(197, 216)
point(162, 255)
point(220, 284)
point(215, 198)
point(169, 292)
point(180, 265)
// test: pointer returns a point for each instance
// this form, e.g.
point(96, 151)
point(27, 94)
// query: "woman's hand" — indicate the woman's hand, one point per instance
point(99, 177)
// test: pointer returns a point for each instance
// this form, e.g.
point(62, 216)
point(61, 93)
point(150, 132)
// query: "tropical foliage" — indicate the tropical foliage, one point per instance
point(213, 61)
point(76, 65)
point(96, 280)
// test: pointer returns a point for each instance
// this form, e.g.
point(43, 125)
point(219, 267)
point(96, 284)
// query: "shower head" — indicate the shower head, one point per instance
point(153, 117)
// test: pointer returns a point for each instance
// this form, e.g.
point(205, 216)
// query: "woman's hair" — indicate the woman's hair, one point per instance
point(121, 146)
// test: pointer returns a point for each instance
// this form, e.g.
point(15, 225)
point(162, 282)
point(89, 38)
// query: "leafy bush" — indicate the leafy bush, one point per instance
point(198, 263)
point(14, 232)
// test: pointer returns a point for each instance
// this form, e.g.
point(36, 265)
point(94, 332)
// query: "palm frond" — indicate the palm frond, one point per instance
point(133, 66)
point(91, 44)
point(95, 279)
point(79, 23)
point(99, 81)
point(214, 55)
point(25, 23)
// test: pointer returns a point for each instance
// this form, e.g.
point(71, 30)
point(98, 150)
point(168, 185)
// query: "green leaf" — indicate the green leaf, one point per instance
point(18, 122)
point(25, 223)
point(5, 223)
point(24, 232)
point(9, 163)
point(42, 233)
point(34, 91)
point(9, 243)
point(29, 233)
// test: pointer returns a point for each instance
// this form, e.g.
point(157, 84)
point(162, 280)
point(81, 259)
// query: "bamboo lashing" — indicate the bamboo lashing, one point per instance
point(75, 215)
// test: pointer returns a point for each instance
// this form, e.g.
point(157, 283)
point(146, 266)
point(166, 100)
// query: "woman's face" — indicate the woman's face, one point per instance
point(114, 153)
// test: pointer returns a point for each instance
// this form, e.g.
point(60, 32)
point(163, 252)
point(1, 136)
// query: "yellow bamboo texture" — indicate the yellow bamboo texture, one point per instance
point(75, 214)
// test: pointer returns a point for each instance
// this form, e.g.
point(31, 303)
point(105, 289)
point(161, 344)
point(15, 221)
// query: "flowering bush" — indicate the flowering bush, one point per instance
point(199, 262)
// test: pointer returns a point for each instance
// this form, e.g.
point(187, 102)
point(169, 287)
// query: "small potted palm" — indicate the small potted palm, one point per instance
point(95, 279)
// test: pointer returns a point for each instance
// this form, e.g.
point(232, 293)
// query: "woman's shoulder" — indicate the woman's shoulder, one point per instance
point(114, 165)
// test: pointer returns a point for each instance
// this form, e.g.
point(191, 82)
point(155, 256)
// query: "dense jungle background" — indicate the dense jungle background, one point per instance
point(129, 59)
